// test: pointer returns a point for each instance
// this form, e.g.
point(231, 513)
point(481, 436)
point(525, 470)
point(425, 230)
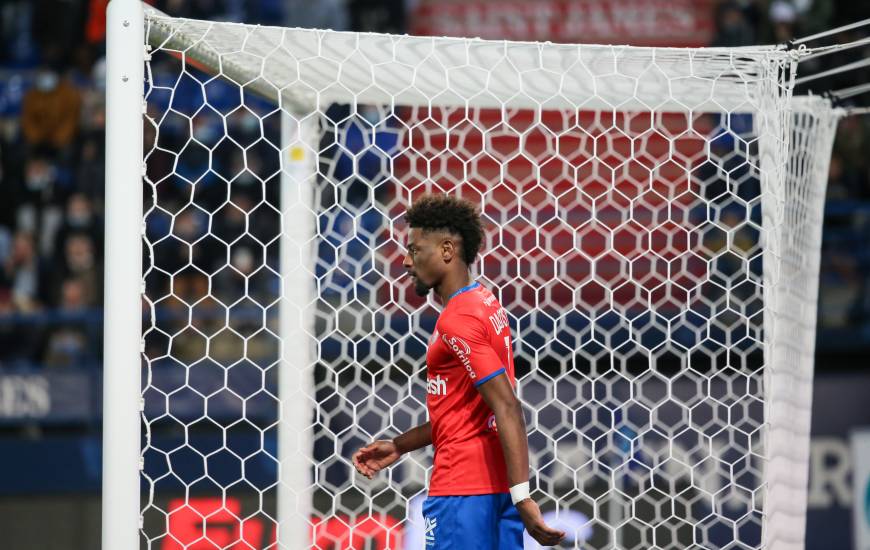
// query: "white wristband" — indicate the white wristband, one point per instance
point(520, 492)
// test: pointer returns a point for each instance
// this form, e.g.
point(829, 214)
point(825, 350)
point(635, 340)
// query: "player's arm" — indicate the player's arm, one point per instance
point(413, 439)
point(378, 455)
point(499, 395)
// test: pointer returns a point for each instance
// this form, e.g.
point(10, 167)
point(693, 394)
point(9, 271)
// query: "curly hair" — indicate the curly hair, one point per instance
point(458, 216)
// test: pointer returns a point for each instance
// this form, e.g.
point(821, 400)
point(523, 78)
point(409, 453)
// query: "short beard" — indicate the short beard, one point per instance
point(421, 289)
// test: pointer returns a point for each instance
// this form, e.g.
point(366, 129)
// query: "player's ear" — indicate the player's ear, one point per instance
point(448, 249)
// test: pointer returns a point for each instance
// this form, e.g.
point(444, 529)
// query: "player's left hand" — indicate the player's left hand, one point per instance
point(534, 522)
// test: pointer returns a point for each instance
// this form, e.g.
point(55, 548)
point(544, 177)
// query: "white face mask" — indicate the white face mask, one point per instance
point(39, 179)
point(250, 123)
point(205, 134)
point(80, 259)
point(245, 179)
point(78, 219)
point(371, 115)
point(243, 260)
point(46, 81)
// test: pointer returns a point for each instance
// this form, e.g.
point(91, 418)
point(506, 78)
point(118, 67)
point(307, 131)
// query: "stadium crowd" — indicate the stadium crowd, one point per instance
point(52, 102)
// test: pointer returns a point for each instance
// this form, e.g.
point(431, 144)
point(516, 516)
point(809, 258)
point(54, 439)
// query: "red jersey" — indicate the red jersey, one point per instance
point(471, 344)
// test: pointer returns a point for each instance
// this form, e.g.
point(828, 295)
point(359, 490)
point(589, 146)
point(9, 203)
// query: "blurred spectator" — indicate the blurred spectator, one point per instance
point(52, 213)
point(91, 173)
point(93, 112)
point(40, 175)
point(79, 71)
point(18, 342)
point(732, 27)
point(783, 16)
point(378, 16)
point(80, 219)
point(843, 182)
point(851, 146)
point(40, 198)
point(322, 14)
point(50, 112)
point(839, 290)
point(261, 12)
point(68, 343)
point(18, 48)
point(58, 26)
point(195, 9)
point(23, 273)
point(230, 225)
point(814, 15)
point(95, 26)
point(80, 261)
point(5, 245)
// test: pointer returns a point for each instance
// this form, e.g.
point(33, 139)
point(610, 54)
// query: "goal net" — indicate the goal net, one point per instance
point(653, 229)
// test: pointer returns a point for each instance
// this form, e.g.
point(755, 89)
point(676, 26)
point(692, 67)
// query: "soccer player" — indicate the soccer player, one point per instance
point(479, 491)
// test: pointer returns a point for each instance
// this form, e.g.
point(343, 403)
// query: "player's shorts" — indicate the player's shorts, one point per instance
point(478, 522)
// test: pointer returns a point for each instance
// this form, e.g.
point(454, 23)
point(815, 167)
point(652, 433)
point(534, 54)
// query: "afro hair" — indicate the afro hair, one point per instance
point(458, 216)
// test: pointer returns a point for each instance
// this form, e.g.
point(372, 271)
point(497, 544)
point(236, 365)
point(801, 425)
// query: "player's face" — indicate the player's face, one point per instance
point(422, 261)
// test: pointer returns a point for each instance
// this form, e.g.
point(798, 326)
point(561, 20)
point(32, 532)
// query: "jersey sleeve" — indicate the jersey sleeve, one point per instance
point(467, 338)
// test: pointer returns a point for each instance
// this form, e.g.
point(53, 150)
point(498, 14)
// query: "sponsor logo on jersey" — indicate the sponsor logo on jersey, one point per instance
point(462, 351)
point(489, 300)
point(499, 320)
point(429, 530)
point(434, 337)
point(490, 423)
point(437, 385)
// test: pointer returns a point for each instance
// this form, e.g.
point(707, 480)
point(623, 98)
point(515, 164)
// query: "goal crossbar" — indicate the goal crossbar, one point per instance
point(308, 68)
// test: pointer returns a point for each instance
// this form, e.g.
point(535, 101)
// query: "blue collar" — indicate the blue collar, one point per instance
point(472, 286)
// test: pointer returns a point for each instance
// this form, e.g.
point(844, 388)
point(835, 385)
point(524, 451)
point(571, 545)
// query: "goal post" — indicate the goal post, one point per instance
point(299, 149)
point(122, 395)
point(654, 219)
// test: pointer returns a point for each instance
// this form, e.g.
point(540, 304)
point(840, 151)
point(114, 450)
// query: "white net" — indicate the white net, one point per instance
point(796, 208)
point(653, 241)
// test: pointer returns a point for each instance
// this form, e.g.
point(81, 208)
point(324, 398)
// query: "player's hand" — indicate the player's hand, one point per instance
point(534, 523)
point(374, 457)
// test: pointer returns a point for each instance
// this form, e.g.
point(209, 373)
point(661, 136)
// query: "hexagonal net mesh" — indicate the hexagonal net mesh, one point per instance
point(654, 242)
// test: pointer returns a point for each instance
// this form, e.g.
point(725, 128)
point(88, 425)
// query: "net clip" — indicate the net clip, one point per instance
point(835, 100)
point(795, 50)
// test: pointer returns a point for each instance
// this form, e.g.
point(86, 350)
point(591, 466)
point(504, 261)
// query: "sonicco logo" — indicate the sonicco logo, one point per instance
point(437, 385)
point(462, 351)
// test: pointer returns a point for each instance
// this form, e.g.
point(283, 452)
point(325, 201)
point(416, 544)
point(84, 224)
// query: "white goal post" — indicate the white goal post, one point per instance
point(654, 227)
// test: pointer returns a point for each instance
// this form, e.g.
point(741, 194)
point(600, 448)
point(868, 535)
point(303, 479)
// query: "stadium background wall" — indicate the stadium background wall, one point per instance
point(62, 511)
